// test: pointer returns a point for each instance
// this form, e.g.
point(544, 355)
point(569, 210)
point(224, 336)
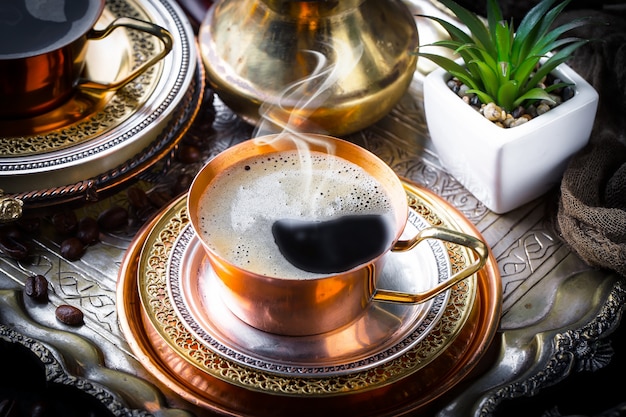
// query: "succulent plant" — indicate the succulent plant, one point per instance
point(502, 64)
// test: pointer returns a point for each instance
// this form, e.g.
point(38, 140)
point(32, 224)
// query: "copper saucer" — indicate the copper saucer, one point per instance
point(384, 332)
point(323, 372)
point(402, 395)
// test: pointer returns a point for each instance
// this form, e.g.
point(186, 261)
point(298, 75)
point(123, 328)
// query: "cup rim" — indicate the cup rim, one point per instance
point(200, 183)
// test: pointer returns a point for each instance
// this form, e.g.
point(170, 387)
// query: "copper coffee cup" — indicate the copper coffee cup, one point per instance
point(287, 306)
point(43, 47)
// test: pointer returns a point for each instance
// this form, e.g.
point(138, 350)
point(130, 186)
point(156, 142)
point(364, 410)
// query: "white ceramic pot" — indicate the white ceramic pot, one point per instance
point(506, 168)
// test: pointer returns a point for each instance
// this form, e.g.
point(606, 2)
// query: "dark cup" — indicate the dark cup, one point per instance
point(43, 45)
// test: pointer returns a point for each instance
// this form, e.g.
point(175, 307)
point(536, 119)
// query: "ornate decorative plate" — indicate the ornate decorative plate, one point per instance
point(92, 135)
point(217, 383)
point(384, 332)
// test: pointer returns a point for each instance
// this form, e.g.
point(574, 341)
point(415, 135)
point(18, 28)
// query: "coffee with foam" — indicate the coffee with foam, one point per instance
point(243, 203)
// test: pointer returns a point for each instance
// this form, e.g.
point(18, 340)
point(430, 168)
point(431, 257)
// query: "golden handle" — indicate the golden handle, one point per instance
point(162, 34)
point(476, 245)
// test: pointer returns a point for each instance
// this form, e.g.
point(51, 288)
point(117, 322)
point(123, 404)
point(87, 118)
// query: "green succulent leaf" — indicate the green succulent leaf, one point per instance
point(556, 86)
point(554, 61)
point(482, 96)
point(525, 70)
point(494, 16)
point(507, 93)
point(534, 27)
point(504, 39)
point(504, 64)
point(469, 54)
point(542, 50)
point(474, 53)
point(531, 23)
point(454, 32)
point(549, 42)
point(453, 68)
point(533, 94)
point(477, 28)
point(548, 20)
point(490, 79)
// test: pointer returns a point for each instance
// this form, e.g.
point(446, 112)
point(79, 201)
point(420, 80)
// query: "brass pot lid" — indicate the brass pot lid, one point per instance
point(92, 134)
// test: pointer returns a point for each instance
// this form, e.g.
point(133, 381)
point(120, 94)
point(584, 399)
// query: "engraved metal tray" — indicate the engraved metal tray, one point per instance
point(171, 353)
point(558, 314)
point(93, 141)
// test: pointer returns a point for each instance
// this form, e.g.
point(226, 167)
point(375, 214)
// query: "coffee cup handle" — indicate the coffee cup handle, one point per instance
point(476, 245)
point(162, 34)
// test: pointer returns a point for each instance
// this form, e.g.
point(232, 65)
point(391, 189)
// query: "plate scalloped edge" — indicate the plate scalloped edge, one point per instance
point(156, 302)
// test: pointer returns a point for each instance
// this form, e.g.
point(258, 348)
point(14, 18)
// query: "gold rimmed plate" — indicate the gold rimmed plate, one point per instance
point(233, 389)
point(164, 244)
point(93, 135)
point(384, 332)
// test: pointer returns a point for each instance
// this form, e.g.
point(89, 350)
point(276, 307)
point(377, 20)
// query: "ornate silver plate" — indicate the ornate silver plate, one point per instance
point(183, 362)
point(384, 332)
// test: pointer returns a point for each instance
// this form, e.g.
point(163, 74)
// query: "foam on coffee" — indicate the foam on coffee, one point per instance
point(242, 203)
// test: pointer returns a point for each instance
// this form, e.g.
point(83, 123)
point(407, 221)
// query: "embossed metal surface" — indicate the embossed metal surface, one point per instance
point(158, 153)
point(557, 318)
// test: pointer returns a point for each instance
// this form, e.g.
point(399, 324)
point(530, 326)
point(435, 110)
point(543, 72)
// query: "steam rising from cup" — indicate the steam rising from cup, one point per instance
point(290, 116)
point(298, 101)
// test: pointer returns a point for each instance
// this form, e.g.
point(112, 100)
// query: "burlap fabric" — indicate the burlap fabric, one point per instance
point(591, 214)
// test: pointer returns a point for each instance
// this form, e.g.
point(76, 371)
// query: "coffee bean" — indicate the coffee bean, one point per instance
point(72, 249)
point(144, 213)
point(188, 154)
point(137, 197)
point(69, 315)
point(159, 198)
point(11, 230)
point(65, 222)
point(88, 230)
point(183, 181)
point(13, 247)
point(30, 225)
point(36, 287)
point(39, 409)
point(113, 218)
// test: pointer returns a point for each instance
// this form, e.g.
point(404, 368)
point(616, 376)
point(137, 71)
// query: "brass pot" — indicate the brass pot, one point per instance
point(331, 67)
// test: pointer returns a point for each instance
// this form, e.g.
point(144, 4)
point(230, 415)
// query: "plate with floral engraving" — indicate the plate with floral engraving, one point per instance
point(459, 341)
point(383, 332)
point(163, 243)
